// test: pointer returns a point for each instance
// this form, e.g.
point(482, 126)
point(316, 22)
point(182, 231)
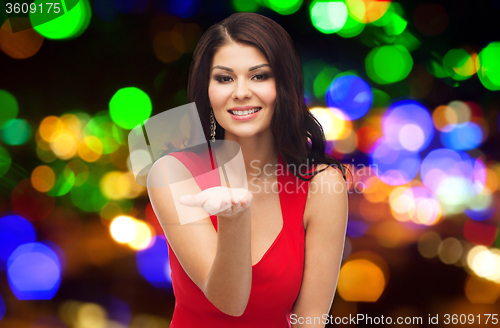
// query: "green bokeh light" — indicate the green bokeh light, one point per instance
point(328, 16)
point(323, 81)
point(88, 197)
point(110, 135)
point(245, 5)
point(489, 73)
point(455, 64)
point(436, 69)
point(311, 69)
point(16, 132)
point(9, 106)
point(380, 99)
point(63, 183)
point(395, 9)
point(67, 26)
point(284, 7)
point(130, 107)
point(388, 64)
point(351, 28)
point(396, 24)
point(5, 161)
point(407, 40)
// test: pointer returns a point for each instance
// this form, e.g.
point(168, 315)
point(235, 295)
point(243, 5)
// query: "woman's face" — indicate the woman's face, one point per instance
point(242, 90)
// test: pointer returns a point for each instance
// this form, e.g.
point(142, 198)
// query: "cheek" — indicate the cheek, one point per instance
point(217, 93)
point(269, 95)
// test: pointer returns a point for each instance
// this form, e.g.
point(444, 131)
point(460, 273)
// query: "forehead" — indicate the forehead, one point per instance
point(236, 55)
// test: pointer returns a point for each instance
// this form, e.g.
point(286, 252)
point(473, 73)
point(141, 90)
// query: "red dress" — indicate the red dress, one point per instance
point(276, 278)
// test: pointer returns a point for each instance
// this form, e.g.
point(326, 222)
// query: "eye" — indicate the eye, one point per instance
point(261, 77)
point(222, 78)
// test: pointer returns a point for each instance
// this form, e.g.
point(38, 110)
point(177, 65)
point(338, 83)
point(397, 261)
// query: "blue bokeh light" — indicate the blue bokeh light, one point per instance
point(409, 124)
point(34, 272)
point(153, 264)
point(125, 6)
point(118, 310)
point(462, 136)
point(3, 308)
point(356, 229)
point(351, 94)
point(14, 231)
point(481, 215)
point(443, 163)
point(394, 166)
point(182, 8)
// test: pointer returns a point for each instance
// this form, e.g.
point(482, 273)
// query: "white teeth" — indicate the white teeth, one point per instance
point(245, 112)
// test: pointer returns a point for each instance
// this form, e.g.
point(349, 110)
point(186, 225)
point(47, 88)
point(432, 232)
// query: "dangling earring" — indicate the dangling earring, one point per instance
point(212, 125)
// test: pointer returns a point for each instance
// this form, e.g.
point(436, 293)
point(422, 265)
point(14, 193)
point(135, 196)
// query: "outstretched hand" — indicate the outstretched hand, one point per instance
point(226, 202)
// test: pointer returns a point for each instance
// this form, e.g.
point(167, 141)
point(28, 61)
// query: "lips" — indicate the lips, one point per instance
point(244, 113)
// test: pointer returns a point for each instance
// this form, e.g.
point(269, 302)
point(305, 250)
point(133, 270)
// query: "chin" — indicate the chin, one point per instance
point(247, 132)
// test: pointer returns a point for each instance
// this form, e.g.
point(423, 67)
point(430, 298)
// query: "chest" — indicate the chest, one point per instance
point(266, 223)
point(267, 212)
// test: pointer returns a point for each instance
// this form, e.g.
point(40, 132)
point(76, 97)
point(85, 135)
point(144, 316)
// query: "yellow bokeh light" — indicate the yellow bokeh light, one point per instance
point(91, 315)
point(90, 149)
point(485, 262)
point(50, 127)
point(450, 250)
point(113, 186)
point(143, 236)
point(64, 146)
point(348, 144)
point(68, 311)
point(72, 124)
point(428, 244)
point(43, 178)
point(376, 190)
point(468, 66)
point(402, 203)
point(361, 281)
point(492, 182)
point(481, 291)
point(333, 125)
point(390, 234)
point(473, 252)
point(367, 11)
point(123, 229)
point(462, 111)
point(428, 211)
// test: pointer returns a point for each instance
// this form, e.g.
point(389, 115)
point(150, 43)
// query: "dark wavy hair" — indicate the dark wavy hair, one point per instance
point(298, 135)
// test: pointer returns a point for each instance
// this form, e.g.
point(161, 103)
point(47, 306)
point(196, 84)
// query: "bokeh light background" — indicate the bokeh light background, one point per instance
point(407, 93)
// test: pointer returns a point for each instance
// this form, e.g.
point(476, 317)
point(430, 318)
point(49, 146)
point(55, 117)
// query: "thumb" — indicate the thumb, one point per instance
point(190, 200)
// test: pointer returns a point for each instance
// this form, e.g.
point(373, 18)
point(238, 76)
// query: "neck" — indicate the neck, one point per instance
point(259, 152)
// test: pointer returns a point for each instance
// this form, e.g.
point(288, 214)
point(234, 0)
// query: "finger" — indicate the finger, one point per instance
point(245, 203)
point(226, 203)
point(209, 207)
point(236, 208)
point(189, 200)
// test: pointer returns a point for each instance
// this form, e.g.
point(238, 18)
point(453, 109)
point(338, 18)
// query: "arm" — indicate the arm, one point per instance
point(218, 263)
point(326, 219)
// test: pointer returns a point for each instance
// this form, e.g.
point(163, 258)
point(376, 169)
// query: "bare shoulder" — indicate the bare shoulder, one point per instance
point(327, 195)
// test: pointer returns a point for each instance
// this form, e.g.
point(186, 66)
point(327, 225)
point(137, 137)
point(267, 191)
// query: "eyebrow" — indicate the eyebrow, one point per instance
point(231, 70)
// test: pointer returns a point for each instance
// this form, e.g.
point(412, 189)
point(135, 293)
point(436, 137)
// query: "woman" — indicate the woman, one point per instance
point(272, 255)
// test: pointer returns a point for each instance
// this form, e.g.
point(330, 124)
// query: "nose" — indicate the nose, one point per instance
point(242, 90)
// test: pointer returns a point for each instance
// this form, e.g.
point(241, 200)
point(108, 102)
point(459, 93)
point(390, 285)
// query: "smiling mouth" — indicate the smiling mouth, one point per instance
point(244, 112)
